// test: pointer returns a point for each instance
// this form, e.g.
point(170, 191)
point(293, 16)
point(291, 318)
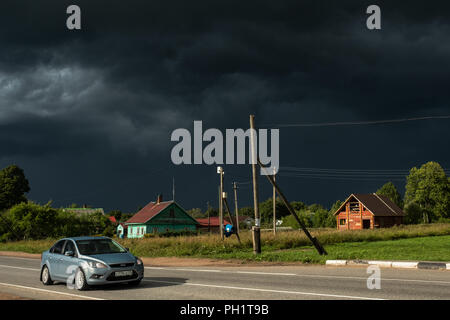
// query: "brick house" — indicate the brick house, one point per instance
point(368, 211)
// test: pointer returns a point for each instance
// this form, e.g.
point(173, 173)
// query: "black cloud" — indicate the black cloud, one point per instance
point(101, 103)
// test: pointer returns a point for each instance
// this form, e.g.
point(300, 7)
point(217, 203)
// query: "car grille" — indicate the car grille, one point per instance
point(112, 277)
point(121, 265)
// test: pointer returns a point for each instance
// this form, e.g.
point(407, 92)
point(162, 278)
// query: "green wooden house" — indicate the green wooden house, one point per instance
point(159, 217)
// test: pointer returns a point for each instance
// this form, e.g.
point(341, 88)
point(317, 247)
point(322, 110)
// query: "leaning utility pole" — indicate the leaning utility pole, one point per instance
point(236, 207)
point(220, 172)
point(229, 215)
point(314, 240)
point(256, 231)
point(274, 204)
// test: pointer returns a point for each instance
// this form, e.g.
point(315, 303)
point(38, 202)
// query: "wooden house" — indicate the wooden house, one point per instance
point(159, 217)
point(211, 224)
point(368, 211)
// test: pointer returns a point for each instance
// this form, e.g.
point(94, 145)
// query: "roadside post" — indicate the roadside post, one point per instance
point(220, 172)
point(256, 229)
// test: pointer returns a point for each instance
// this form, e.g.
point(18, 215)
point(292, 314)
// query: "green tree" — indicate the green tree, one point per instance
point(246, 212)
point(304, 216)
point(331, 219)
point(13, 186)
point(429, 188)
point(32, 221)
point(319, 216)
point(195, 213)
point(212, 212)
point(414, 214)
point(389, 190)
point(266, 210)
point(298, 205)
point(116, 214)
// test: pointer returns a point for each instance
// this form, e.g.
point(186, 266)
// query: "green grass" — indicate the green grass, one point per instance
point(419, 249)
point(418, 242)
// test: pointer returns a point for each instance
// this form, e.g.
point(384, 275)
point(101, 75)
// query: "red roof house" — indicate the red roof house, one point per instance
point(212, 224)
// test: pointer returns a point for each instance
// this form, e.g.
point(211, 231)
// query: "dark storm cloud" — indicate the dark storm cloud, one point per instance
point(137, 70)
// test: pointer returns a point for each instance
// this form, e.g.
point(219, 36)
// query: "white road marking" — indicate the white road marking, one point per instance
point(49, 291)
point(199, 270)
point(22, 268)
point(266, 290)
point(6, 256)
point(264, 273)
point(362, 278)
point(267, 273)
point(298, 275)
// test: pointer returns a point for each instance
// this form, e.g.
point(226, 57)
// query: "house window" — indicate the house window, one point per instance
point(354, 207)
point(172, 213)
point(342, 222)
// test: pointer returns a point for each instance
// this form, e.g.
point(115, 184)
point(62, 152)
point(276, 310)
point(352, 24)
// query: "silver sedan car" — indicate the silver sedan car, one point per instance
point(85, 261)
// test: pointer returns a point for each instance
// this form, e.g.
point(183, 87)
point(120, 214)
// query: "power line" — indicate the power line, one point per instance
point(390, 172)
point(350, 178)
point(347, 123)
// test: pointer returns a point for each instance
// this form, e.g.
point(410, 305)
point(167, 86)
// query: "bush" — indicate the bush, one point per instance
point(27, 221)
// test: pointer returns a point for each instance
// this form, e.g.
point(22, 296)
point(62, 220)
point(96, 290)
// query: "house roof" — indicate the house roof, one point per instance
point(378, 205)
point(214, 222)
point(84, 210)
point(148, 212)
point(112, 219)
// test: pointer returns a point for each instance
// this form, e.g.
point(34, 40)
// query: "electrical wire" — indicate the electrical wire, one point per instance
point(347, 123)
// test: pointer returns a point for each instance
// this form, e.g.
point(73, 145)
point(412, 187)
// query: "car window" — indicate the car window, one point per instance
point(69, 247)
point(57, 248)
point(99, 246)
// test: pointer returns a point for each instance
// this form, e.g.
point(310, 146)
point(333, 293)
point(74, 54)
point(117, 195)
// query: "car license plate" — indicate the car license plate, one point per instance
point(123, 273)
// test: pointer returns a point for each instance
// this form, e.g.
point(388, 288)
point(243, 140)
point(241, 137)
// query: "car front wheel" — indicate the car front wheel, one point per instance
point(80, 280)
point(45, 276)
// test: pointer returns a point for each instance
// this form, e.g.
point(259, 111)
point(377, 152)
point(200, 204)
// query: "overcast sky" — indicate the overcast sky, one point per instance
point(88, 114)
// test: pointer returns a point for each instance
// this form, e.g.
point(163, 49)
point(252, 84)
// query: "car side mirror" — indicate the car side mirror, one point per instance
point(69, 253)
point(128, 249)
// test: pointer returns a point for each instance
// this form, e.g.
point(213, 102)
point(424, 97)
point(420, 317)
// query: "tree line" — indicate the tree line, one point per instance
point(23, 220)
point(426, 200)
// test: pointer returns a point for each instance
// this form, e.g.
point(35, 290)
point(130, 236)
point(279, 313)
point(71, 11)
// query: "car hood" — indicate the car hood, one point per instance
point(111, 258)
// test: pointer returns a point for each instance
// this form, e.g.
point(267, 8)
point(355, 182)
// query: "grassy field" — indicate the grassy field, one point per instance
point(417, 242)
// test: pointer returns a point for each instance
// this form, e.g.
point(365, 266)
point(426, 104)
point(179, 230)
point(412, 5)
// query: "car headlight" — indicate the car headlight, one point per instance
point(95, 264)
point(138, 261)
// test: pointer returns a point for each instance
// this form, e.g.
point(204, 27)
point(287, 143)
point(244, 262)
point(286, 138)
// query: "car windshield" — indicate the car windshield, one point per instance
point(99, 246)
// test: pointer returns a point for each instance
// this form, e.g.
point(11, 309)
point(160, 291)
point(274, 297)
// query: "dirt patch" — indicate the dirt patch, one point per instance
point(20, 254)
point(7, 296)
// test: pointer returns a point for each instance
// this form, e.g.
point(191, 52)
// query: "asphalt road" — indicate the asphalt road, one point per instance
point(20, 277)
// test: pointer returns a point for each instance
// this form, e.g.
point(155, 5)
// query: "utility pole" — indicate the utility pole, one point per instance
point(209, 218)
point(220, 172)
point(229, 215)
point(173, 189)
point(256, 230)
point(321, 250)
point(236, 207)
point(274, 204)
